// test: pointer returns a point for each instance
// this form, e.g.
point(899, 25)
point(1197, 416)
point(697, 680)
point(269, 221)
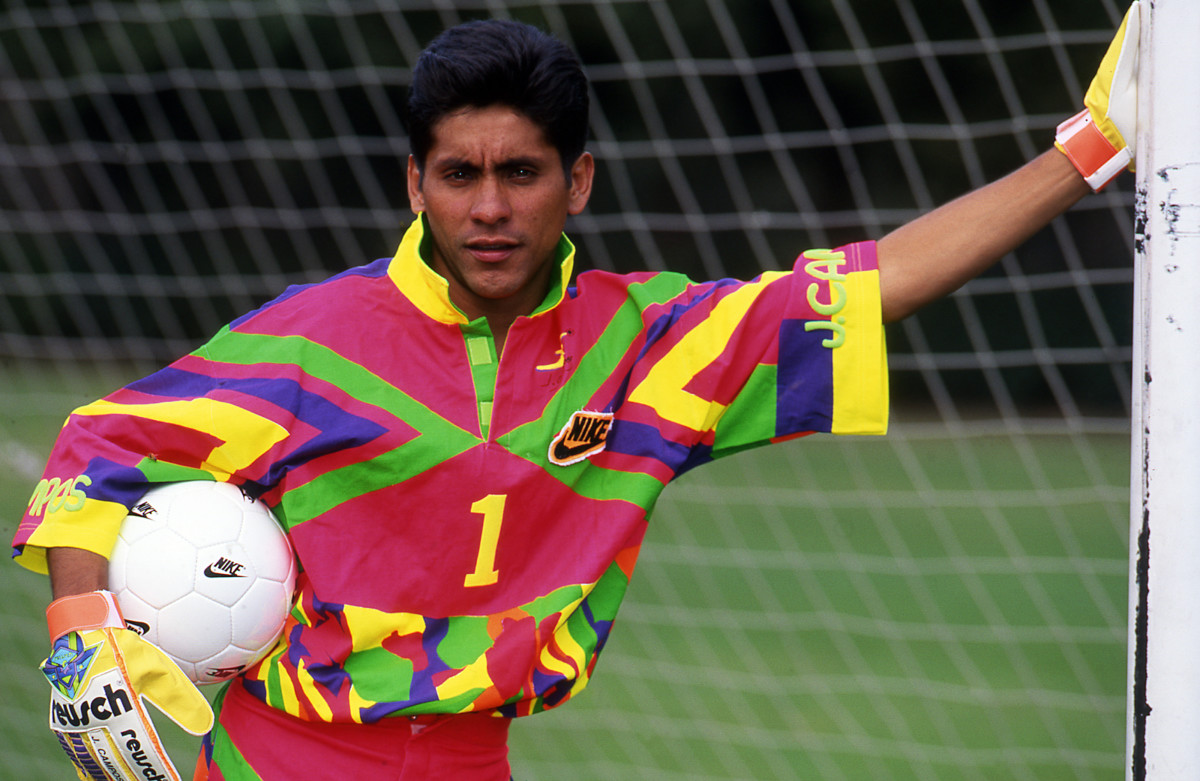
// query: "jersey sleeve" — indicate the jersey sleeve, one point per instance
point(731, 365)
point(826, 367)
point(187, 421)
point(260, 400)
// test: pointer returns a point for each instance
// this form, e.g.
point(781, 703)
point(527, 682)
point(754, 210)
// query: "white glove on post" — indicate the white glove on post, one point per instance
point(1099, 140)
point(100, 673)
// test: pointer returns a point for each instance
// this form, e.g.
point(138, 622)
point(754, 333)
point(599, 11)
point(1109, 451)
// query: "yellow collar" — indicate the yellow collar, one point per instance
point(430, 292)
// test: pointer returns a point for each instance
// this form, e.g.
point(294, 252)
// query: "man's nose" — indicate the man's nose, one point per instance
point(491, 203)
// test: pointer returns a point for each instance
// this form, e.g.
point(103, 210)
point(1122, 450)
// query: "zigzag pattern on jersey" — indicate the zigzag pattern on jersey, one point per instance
point(308, 677)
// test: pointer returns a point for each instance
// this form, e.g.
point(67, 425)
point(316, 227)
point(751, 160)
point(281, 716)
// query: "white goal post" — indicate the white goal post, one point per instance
point(1164, 614)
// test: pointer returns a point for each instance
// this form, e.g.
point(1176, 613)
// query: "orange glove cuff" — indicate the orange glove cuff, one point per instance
point(81, 612)
point(1090, 151)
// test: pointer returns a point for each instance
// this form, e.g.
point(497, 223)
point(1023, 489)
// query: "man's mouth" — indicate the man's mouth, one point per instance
point(491, 250)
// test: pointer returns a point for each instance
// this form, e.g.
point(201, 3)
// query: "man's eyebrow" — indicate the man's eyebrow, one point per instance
point(454, 163)
point(520, 162)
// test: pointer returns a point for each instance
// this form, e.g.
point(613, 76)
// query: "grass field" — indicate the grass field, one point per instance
point(936, 604)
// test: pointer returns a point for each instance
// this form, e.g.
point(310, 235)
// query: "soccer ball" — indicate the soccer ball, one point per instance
point(206, 574)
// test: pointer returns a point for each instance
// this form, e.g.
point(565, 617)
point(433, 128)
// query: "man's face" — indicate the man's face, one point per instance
point(496, 199)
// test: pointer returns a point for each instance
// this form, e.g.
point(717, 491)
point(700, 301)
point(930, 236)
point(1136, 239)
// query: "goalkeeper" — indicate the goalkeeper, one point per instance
point(464, 441)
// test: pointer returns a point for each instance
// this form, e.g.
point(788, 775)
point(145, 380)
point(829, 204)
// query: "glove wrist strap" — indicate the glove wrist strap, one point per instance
point(1092, 154)
point(81, 612)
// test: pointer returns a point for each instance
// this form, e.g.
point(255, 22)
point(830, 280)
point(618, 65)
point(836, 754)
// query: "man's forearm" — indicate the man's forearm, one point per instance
point(937, 253)
point(76, 571)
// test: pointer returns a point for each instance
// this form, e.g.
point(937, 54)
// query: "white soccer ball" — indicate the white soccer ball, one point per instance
point(206, 574)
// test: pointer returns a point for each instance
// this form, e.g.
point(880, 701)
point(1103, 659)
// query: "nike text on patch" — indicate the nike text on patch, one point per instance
point(585, 434)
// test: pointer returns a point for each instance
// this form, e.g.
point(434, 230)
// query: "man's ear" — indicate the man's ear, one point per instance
point(416, 199)
point(583, 171)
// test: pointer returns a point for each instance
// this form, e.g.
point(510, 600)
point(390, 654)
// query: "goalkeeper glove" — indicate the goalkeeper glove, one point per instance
point(100, 673)
point(1100, 139)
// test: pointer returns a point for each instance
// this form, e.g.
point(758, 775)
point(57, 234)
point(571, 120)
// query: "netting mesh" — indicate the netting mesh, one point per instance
point(168, 165)
point(843, 610)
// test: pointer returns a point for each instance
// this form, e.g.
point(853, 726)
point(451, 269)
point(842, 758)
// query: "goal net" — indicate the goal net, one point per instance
point(946, 602)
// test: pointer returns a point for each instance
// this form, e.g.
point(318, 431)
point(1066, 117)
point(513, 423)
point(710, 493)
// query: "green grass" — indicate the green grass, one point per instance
point(930, 605)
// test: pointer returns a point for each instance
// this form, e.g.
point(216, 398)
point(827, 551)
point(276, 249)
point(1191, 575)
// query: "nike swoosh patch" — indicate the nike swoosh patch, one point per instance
point(585, 434)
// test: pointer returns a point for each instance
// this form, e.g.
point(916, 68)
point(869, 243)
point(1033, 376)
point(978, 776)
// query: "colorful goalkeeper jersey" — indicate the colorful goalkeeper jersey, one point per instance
point(467, 522)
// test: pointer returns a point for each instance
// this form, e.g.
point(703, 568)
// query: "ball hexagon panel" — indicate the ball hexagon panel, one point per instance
point(212, 513)
point(261, 541)
point(198, 628)
point(159, 567)
point(258, 619)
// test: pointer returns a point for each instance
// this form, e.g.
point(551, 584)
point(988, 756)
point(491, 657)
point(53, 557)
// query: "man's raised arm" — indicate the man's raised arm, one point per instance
point(937, 253)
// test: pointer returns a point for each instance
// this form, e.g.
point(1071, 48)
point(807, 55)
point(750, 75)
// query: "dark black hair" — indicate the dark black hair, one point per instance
point(497, 61)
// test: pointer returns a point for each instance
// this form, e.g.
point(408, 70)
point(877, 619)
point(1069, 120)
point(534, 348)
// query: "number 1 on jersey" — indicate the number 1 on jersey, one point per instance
point(491, 507)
